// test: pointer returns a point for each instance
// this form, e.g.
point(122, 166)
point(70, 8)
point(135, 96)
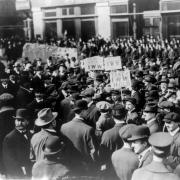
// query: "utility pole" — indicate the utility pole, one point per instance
point(134, 21)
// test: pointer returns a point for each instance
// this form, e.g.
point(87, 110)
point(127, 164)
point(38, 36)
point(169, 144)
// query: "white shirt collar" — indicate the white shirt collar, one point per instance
point(150, 121)
point(173, 133)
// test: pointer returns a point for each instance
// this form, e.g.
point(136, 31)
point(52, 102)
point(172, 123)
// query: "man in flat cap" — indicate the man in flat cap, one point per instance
point(110, 140)
point(140, 145)
point(160, 143)
point(132, 115)
point(92, 113)
point(149, 115)
point(172, 121)
point(124, 160)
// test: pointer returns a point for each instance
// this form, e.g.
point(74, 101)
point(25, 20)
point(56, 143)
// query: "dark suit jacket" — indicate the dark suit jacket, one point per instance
point(37, 83)
point(23, 97)
point(83, 138)
point(92, 115)
point(16, 149)
point(125, 161)
point(110, 142)
point(6, 125)
point(9, 89)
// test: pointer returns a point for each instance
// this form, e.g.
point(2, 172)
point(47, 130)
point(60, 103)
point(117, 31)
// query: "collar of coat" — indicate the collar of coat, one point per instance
point(157, 167)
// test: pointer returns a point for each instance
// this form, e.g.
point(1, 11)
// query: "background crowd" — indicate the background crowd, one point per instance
point(59, 122)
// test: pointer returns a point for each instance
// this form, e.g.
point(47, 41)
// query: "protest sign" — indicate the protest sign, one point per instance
point(119, 79)
point(43, 51)
point(112, 63)
point(94, 63)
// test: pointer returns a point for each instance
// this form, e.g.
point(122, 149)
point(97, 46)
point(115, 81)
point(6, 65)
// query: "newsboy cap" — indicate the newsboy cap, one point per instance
point(150, 108)
point(118, 111)
point(172, 116)
point(103, 105)
point(166, 104)
point(131, 100)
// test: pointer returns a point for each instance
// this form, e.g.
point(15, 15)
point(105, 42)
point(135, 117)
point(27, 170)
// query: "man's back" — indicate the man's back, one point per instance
point(124, 162)
point(154, 171)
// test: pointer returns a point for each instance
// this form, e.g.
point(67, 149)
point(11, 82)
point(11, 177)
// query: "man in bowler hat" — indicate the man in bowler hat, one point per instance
point(16, 147)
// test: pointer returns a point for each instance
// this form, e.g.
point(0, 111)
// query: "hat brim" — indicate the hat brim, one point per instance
point(39, 122)
point(134, 138)
point(18, 117)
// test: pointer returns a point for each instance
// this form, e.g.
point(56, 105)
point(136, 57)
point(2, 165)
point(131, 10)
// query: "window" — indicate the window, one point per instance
point(64, 11)
point(87, 9)
point(119, 9)
point(147, 22)
point(156, 21)
point(49, 14)
point(71, 11)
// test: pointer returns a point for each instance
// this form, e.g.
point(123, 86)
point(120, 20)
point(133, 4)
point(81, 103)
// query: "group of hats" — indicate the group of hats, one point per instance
point(160, 141)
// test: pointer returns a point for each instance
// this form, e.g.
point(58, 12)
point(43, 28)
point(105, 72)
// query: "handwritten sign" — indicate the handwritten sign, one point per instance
point(119, 79)
point(112, 63)
point(94, 63)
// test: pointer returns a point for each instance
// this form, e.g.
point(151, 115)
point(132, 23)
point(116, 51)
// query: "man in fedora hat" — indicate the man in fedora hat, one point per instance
point(55, 164)
point(140, 145)
point(149, 115)
point(16, 147)
point(46, 120)
point(160, 143)
point(124, 160)
point(82, 136)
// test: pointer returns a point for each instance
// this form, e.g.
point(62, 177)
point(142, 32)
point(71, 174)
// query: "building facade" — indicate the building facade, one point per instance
point(170, 12)
point(80, 18)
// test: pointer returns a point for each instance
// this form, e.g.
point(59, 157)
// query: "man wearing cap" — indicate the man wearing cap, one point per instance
point(115, 96)
point(5, 86)
point(37, 81)
point(16, 147)
point(82, 136)
point(110, 140)
point(172, 120)
point(132, 115)
point(105, 121)
point(92, 113)
point(124, 160)
point(55, 164)
point(140, 145)
point(149, 115)
point(46, 120)
point(160, 143)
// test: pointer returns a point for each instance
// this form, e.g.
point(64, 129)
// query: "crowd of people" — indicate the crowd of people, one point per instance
point(57, 121)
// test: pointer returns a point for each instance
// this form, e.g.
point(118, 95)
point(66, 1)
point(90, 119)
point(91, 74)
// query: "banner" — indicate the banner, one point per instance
point(112, 63)
point(94, 63)
point(61, 52)
point(43, 51)
point(119, 79)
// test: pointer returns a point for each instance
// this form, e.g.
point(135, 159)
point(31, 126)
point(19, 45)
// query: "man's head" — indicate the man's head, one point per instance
point(22, 119)
point(172, 121)
point(130, 104)
point(149, 112)
point(139, 139)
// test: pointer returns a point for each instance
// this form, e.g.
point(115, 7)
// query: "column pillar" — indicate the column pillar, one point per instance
point(103, 22)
